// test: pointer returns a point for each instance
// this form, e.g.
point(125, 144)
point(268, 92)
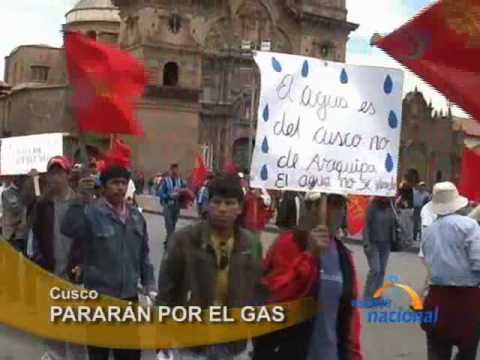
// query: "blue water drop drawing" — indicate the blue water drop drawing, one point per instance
point(388, 85)
point(393, 120)
point(264, 173)
point(276, 65)
point(266, 113)
point(389, 163)
point(265, 147)
point(305, 69)
point(344, 77)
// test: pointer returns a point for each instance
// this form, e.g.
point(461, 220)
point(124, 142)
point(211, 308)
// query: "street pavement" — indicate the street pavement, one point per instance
point(380, 341)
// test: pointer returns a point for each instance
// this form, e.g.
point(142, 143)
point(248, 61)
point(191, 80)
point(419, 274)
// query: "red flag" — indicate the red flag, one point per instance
point(119, 154)
point(470, 174)
point(199, 174)
point(229, 167)
point(442, 45)
point(106, 82)
point(357, 213)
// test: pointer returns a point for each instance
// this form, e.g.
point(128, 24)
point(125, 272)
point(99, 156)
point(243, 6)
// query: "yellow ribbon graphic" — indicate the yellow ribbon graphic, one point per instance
point(26, 304)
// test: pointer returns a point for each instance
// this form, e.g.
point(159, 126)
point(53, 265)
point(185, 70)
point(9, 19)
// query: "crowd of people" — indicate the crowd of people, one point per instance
point(85, 227)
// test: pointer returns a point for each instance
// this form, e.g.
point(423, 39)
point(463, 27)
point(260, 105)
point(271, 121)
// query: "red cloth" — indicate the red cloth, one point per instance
point(292, 272)
point(357, 213)
point(441, 45)
point(470, 174)
point(255, 214)
point(119, 154)
point(105, 81)
point(458, 313)
point(229, 167)
point(185, 198)
point(199, 174)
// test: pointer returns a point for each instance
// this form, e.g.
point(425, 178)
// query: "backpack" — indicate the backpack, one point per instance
point(403, 237)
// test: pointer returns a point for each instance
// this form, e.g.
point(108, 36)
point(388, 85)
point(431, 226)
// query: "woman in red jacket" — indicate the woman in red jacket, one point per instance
point(311, 261)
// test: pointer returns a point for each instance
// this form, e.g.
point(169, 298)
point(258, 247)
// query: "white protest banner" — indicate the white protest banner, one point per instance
point(21, 154)
point(326, 126)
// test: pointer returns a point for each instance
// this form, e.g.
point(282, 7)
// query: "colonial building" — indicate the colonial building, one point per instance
point(35, 97)
point(430, 143)
point(201, 91)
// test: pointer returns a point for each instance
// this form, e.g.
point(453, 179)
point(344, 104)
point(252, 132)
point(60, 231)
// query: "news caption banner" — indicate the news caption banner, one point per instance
point(327, 126)
point(20, 154)
point(42, 304)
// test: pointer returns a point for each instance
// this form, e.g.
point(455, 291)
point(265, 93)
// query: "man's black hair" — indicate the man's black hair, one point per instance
point(114, 171)
point(174, 166)
point(226, 186)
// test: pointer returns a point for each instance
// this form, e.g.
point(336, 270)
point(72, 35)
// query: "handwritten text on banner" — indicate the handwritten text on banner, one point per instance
point(326, 126)
point(21, 154)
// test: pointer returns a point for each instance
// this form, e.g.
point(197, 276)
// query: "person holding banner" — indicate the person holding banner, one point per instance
point(311, 261)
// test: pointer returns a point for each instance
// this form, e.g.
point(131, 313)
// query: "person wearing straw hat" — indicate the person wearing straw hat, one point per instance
point(451, 248)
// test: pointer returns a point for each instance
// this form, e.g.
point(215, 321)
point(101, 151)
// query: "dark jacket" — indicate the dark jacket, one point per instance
point(287, 211)
point(293, 343)
point(114, 255)
point(188, 272)
point(14, 218)
point(43, 224)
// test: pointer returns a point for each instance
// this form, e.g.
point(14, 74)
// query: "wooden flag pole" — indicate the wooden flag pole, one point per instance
point(323, 211)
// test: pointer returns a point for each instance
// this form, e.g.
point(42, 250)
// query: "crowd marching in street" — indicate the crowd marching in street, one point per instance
point(82, 221)
point(76, 229)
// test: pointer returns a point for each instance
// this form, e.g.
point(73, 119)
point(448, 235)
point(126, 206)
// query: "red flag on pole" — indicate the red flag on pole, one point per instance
point(199, 174)
point(119, 154)
point(470, 175)
point(106, 82)
point(442, 45)
point(357, 213)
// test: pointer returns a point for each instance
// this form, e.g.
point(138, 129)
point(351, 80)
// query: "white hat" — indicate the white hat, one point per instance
point(446, 200)
point(313, 195)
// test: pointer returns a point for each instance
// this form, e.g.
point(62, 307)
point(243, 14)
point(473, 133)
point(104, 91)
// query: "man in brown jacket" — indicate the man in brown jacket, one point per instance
point(213, 262)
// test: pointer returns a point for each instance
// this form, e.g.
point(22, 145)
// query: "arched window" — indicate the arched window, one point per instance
point(92, 34)
point(170, 74)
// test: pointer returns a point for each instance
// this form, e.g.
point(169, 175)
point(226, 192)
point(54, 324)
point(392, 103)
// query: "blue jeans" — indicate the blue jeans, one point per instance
point(377, 257)
point(171, 212)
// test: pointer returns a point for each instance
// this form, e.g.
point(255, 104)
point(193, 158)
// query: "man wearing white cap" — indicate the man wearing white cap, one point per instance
point(451, 247)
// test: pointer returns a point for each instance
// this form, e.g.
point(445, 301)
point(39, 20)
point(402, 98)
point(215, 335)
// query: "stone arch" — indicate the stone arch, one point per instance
point(240, 152)
point(92, 34)
point(416, 157)
point(253, 20)
point(170, 74)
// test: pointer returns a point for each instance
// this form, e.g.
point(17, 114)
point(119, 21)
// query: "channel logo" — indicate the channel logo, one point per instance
point(381, 308)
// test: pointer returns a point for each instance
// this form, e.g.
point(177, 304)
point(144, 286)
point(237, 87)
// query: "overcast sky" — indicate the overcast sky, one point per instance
point(39, 22)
